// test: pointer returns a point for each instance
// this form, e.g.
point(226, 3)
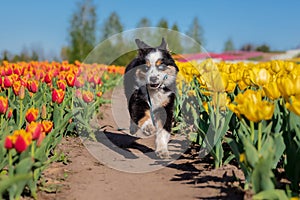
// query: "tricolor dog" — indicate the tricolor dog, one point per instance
point(150, 89)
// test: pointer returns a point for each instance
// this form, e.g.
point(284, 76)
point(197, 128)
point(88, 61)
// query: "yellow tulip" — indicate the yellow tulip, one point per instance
point(296, 85)
point(242, 85)
point(294, 104)
point(285, 86)
point(289, 66)
point(271, 90)
point(260, 77)
point(220, 100)
point(275, 67)
point(250, 105)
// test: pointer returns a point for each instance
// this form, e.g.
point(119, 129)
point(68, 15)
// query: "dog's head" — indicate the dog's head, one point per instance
point(158, 68)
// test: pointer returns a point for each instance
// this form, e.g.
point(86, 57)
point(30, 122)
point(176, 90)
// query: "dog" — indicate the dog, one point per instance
point(150, 89)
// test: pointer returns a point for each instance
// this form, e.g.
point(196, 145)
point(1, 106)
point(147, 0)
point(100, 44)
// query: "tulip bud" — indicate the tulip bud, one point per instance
point(22, 92)
point(44, 112)
point(9, 114)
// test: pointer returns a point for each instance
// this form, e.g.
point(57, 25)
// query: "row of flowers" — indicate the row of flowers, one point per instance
point(255, 109)
point(39, 103)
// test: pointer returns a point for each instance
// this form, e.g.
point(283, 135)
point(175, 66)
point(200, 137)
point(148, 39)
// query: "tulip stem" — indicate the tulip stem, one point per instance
point(10, 163)
point(259, 136)
point(21, 113)
point(32, 149)
point(252, 131)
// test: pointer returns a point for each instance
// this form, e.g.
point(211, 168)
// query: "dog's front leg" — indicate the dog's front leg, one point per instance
point(161, 142)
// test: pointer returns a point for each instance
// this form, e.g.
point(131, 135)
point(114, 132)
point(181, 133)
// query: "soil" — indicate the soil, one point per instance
point(80, 175)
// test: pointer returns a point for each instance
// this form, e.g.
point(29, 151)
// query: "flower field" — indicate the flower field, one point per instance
point(40, 102)
point(252, 108)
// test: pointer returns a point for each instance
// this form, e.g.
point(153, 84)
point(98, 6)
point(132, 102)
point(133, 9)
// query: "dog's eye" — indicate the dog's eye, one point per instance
point(162, 67)
point(146, 67)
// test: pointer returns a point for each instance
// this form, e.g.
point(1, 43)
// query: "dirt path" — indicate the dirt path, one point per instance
point(85, 177)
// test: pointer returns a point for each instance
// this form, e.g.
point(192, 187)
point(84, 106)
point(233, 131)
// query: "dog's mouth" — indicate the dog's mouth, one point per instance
point(154, 85)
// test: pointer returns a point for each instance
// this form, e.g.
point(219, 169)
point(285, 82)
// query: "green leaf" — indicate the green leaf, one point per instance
point(279, 148)
point(250, 151)
point(273, 194)
point(6, 182)
point(262, 176)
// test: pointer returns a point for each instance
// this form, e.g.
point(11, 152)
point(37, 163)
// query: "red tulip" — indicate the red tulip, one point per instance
point(22, 140)
point(48, 78)
point(8, 81)
point(70, 78)
point(16, 87)
point(8, 70)
point(3, 104)
point(32, 86)
point(47, 126)
point(79, 82)
point(58, 96)
point(8, 144)
point(35, 128)
point(88, 96)
point(31, 115)
point(61, 84)
point(20, 144)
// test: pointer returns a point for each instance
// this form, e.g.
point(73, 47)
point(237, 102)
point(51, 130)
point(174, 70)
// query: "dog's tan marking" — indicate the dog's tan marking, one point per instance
point(158, 62)
point(148, 63)
point(144, 119)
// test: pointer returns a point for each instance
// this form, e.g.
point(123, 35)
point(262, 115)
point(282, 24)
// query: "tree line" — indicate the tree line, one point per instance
point(83, 37)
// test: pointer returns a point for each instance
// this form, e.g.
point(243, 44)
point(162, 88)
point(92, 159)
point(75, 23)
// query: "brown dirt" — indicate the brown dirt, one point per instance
point(84, 177)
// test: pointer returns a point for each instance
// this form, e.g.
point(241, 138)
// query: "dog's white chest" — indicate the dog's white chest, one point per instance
point(159, 98)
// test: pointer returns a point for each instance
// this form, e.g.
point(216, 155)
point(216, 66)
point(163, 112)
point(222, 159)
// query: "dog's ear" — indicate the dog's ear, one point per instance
point(163, 45)
point(141, 45)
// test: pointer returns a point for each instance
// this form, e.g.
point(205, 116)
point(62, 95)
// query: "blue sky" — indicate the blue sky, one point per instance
point(44, 24)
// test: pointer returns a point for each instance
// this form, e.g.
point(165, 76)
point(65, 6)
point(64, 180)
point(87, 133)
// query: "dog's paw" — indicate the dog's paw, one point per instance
point(163, 154)
point(148, 129)
point(133, 128)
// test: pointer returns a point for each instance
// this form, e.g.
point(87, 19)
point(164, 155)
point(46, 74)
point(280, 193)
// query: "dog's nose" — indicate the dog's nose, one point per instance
point(153, 79)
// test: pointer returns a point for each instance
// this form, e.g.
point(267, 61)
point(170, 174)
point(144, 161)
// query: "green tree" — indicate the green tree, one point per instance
point(82, 31)
point(174, 41)
point(228, 46)
point(263, 48)
point(195, 31)
point(112, 46)
point(111, 26)
point(162, 23)
point(144, 22)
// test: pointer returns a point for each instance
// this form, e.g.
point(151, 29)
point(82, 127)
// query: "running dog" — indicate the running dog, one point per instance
point(150, 89)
